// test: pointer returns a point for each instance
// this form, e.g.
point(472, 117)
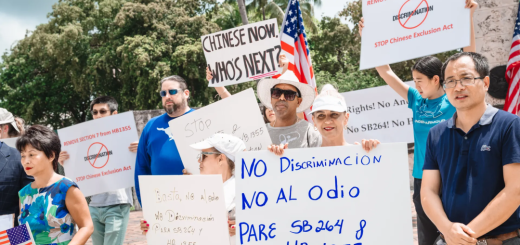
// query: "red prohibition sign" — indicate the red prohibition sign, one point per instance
point(425, 16)
point(97, 155)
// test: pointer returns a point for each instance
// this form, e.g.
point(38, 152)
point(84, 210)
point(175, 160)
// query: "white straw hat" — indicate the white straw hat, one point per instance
point(224, 143)
point(264, 90)
point(7, 117)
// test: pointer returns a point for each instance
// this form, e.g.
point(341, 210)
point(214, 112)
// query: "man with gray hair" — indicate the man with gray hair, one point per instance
point(157, 152)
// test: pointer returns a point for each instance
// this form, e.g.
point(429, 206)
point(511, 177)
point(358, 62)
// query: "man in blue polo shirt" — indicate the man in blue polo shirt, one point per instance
point(474, 160)
point(157, 151)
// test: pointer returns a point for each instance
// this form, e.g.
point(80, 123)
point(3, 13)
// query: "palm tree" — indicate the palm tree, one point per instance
point(242, 9)
point(275, 9)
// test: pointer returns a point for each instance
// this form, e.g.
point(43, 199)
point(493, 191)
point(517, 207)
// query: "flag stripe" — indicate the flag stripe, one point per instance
point(512, 71)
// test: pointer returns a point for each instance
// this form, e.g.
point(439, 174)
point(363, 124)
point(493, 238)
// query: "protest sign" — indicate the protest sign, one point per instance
point(238, 115)
point(184, 210)
point(243, 54)
point(378, 113)
point(326, 195)
point(396, 31)
point(10, 142)
point(99, 157)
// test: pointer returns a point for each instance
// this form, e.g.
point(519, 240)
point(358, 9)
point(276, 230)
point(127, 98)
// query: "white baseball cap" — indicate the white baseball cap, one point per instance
point(224, 143)
point(330, 103)
point(7, 117)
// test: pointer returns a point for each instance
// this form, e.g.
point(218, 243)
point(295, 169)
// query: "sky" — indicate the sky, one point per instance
point(18, 16)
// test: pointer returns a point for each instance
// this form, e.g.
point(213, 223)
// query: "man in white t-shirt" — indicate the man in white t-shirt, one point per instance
point(110, 211)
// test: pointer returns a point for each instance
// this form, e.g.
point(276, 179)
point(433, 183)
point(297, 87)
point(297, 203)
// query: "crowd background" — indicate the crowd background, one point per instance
point(122, 48)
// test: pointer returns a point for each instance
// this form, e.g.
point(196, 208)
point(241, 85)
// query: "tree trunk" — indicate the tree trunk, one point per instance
point(242, 9)
point(263, 11)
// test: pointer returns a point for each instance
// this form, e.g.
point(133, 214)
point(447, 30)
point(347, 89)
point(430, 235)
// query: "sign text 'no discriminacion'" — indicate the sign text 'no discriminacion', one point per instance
point(400, 30)
point(325, 196)
point(243, 54)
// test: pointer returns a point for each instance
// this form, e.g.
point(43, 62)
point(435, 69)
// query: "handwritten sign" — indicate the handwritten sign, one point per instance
point(238, 115)
point(99, 157)
point(325, 196)
point(184, 210)
point(243, 54)
point(10, 142)
point(396, 31)
point(378, 113)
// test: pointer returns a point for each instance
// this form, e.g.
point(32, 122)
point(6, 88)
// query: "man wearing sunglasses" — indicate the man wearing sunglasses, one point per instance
point(110, 211)
point(157, 152)
point(287, 97)
point(473, 159)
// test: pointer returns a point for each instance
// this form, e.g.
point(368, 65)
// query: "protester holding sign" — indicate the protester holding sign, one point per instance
point(330, 117)
point(157, 152)
point(12, 176)
point(110, 211)
point(217, 157)
point(473, 159)
point(52, 205)
point(286, 96)
point(430, 106)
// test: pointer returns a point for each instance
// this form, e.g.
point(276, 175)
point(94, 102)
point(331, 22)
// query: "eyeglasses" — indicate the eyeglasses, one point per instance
point(203, 155)
point(101, 112)
point(171, 92)
point(463, 82)
point(289, 95)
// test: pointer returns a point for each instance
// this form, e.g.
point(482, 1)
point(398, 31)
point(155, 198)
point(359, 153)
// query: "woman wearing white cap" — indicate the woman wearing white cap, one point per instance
point(217, 156)
point(330, 117)
point(10, 126)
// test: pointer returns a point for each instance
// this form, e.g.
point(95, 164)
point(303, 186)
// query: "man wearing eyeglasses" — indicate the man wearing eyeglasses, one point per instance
point(157, 152)
point(110, 211)
point(287, 97)
point(473, 159)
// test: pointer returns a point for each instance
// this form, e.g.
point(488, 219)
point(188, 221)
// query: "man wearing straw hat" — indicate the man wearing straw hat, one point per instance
point(287, 97)
point(12, 175)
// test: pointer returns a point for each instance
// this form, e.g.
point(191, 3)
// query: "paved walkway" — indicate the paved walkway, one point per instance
point(134, 237)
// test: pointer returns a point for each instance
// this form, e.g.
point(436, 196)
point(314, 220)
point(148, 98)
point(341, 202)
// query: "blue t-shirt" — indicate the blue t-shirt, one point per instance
point(426, 114)
point(471, 165)
point(157, 152)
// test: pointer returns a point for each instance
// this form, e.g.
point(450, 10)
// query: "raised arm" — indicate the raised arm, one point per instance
point(387, 74)
point(472, 5)
point(222, 91)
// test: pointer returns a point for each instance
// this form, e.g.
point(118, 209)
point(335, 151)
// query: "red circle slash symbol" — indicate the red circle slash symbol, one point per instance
point(94, 150)
point(413, 6)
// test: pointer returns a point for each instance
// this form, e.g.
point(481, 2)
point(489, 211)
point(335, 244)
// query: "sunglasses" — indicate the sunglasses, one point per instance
point(101, 112)
point(203, 155)
point(171, 92)
point(289, 95)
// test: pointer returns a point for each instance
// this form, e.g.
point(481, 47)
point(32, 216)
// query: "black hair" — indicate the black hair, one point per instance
point(42, 139)
point(481, 63)
point(263, 109)
point(109, 100)
point(429, 66)
point(182, 83)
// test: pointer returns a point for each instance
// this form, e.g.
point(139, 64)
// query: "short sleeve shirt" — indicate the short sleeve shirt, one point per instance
point(471, 164)
point(299, 135)
point(426, 114)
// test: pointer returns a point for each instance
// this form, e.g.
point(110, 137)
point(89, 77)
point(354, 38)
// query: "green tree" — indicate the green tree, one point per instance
point(120, 48)
point(336, 52)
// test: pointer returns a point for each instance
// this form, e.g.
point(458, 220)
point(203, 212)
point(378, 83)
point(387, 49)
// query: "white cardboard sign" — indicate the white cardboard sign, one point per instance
point(243, 54)
point(401, 30)
point(328, 195)
point(10, 142)
point(184, 210)
point(378, 113)
point(99, 157)
point(238, 115)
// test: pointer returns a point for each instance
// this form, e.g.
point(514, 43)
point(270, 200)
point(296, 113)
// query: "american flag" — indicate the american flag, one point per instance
point(295, 47)
point(512, 73)
point(20, 235)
